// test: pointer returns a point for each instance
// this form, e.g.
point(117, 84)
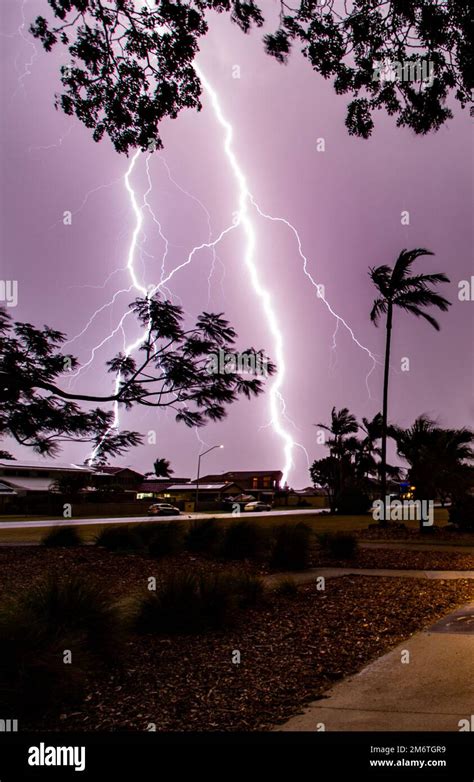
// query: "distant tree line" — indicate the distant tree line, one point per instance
point(439, 461)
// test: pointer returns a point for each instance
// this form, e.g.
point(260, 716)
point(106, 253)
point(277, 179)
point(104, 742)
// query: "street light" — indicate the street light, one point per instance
point(198, 473)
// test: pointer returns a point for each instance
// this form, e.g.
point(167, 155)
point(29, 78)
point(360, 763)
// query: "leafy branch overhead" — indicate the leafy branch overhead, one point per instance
point(171, 371)
point(129, 67)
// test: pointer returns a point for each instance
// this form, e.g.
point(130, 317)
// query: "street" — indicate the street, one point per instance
point(133, 519)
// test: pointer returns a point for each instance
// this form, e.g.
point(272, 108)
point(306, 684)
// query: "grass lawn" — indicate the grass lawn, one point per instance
point(316, 522)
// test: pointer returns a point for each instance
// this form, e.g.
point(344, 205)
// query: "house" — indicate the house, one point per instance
point(262, 484)
point(153, 487)
point(310, 497)
point(25, 483)
point(211, 495)
point(24, 478)
point(121, 479)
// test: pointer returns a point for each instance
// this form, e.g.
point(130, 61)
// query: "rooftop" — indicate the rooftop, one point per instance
point(115, 470)
point(14, 465)
point(193, 486)
point(237, 475)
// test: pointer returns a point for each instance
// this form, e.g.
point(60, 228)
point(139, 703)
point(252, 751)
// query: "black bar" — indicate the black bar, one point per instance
point(146, 756)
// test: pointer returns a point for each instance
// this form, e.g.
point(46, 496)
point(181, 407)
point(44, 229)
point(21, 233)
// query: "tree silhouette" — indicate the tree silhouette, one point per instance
point(439, 458)
point(359, 49)
point(366, 463)
point(341, 447)
point(171, 371)
point(162, 468)
point(326, 474)
point(400, 288)
point(129, 68)
point(342, 424)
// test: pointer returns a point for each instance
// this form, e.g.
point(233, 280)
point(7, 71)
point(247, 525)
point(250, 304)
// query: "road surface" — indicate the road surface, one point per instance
point(133, 519)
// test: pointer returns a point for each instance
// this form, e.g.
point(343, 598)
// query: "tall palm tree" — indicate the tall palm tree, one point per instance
point(399, 287)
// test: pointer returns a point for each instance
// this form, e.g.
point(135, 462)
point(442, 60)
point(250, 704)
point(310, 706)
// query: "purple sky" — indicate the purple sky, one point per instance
point(344, 202)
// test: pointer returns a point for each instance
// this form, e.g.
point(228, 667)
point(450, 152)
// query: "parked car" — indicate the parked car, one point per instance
point(163, 509)
point(257, 507)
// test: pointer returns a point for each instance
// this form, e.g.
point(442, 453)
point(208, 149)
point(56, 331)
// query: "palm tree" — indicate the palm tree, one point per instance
point(372, 429)
point(438, 458)
point(342, 424)
point(366, 462)
point(399, 287)
point(341, 446)
point(162, 468)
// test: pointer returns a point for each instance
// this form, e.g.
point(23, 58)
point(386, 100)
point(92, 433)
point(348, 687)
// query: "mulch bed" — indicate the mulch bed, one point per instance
point(292, 648)
point(402, 559)
point(446, 534)
point(119, 573)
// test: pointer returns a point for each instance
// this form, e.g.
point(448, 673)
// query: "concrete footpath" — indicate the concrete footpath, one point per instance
point(308, 576)
point(418, 545)
point(425, 684)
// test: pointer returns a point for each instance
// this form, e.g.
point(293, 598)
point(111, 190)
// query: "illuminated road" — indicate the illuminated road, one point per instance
point(133, 519)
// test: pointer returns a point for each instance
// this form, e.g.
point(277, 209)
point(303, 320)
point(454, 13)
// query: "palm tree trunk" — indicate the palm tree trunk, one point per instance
point(383, 470)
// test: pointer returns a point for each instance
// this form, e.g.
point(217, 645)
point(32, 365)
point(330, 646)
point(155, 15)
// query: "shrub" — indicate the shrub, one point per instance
point(189, 603)
point(219, 600)
point(245, 540)
point(173, 608)
point(248, 588)
point(204, 537)
point(353, 502)
point(340, 545)
point(119, 539)
point(62, 537)
point(38, 626)
point(461, 512)
point(167, 539)
point(292, 547)
point(146, 531)
point(286, 587)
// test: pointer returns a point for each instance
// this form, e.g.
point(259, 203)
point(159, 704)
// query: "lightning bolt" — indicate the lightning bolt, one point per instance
point(57, 145)
point(138, 286)
point(34, 54)
point(247, 205)
point(262, 293)
point(277, 401)
point(333, 362)
point(320, 294)
point(215, 257)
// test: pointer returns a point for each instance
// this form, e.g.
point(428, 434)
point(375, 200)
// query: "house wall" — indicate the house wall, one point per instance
point(302, 501)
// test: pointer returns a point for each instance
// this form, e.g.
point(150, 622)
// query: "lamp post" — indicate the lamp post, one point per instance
point(198, 473)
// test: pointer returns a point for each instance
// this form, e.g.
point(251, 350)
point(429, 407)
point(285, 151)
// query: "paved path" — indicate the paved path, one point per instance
point(432, 691)
point(334, 572)
point(408, 545)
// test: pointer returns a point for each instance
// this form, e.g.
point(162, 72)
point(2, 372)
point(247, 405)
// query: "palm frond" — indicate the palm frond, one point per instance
point(419, 313)
point(404, 262)
point(379, 308)
point(422, 297)
point(422, 280)
point(380, 276)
